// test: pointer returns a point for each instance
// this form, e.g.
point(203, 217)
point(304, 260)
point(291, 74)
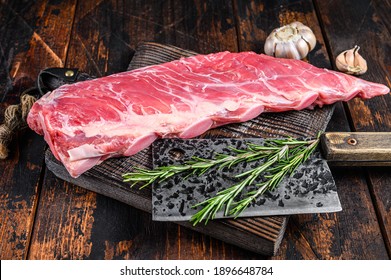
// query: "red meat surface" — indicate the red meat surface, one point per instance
point(119, 115)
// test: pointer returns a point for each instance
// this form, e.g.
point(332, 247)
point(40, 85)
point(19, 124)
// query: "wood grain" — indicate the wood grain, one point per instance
point(26, 46)
point(366, 26)
point(357, 148)
point(74, 235)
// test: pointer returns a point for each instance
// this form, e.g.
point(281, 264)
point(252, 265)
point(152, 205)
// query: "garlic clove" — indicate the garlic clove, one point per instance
point(309, 37)
point(302, 47)
point(351, 62)
point(280, 50)
point(340, 63)
point(360, 62)
point(270, 45)
point(288, 50)
point(349, 58)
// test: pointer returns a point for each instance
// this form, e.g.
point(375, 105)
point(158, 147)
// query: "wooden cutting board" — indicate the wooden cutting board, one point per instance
point(258, 234)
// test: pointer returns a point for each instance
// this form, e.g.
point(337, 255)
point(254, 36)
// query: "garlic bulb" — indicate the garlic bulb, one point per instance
point(351, 62)
point(294, 40)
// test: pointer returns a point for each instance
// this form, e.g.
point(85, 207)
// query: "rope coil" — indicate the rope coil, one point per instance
point(15, 119)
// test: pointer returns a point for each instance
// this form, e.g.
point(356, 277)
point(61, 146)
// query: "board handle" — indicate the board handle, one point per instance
point(357, 148)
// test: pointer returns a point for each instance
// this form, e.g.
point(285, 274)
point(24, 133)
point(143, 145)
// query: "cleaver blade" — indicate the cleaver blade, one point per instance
point(310, 189)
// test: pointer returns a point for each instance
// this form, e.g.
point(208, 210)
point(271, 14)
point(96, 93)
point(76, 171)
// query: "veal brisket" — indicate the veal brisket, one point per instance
point(119, 115)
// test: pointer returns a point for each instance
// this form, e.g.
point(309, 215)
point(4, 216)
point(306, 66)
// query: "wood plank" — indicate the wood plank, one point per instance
point(119, 231)
point(367, 25)
point(26, 46)
point(202, 26)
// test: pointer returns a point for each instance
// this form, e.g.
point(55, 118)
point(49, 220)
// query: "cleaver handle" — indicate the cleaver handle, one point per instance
point(357, 148)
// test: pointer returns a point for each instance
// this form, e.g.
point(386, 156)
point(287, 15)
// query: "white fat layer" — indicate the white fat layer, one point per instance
point(83, 152)
point(134, 125)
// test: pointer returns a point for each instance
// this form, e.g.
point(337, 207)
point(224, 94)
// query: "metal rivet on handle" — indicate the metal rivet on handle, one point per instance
point(69, 73)
point(352, 141)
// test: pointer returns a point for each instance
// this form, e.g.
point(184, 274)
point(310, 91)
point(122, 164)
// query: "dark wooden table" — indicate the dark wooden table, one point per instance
point(42, 217)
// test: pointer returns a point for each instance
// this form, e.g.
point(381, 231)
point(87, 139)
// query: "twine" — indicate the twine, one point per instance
point(15, 117)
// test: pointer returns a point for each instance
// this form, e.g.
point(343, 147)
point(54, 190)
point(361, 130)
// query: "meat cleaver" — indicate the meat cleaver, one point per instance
point(310, 189)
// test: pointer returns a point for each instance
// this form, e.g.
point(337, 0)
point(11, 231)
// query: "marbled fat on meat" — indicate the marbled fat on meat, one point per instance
point(119, 115)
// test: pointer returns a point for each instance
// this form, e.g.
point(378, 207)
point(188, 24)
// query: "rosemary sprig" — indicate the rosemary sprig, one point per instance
point(277, 174)
point(284, 160)
point(280, 158)
point(197, 165)
point(226, 197)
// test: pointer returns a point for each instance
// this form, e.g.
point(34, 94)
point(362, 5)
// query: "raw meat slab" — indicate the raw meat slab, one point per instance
point(119, 115)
